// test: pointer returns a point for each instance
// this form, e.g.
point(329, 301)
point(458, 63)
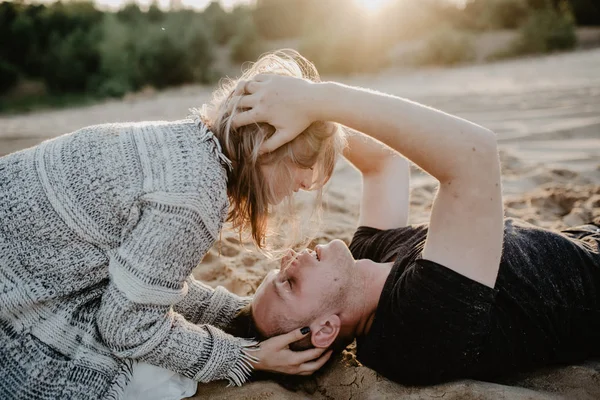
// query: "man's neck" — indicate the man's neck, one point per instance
point(373, 277)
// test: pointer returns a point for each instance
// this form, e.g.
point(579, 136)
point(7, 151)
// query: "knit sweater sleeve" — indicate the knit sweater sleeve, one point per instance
point(149, 273)
point(205, 305)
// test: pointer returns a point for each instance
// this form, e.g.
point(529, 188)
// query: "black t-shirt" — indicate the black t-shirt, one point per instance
point(433, 324)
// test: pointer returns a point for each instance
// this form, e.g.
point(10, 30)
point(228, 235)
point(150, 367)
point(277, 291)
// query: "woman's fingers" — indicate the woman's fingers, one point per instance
point(310, 367)
point(304, 356)
point(287, 338)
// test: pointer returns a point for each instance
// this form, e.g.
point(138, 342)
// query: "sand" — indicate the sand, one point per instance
point(546, 113)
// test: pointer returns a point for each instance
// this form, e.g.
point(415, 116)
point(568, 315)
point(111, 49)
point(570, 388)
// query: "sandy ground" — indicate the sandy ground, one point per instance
point(546, 113)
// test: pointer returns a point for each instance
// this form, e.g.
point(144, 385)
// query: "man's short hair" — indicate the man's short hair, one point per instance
point(243, 325)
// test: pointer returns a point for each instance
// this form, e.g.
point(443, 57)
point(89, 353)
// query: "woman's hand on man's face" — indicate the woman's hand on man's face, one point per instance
point(288, 104)
point(274, 355)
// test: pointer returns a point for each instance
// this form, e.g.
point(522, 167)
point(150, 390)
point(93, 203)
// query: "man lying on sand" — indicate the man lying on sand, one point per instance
point(469, 295)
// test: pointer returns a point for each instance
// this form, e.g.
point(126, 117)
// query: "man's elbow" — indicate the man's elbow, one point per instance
point(479, 160)
point(389, 164)
point(489, 141)
point(487, 157)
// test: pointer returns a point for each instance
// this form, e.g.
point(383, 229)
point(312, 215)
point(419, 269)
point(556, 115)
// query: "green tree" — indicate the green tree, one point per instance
point(72, 60)
point(547, 30)
point(221, 24)
point(247, 43)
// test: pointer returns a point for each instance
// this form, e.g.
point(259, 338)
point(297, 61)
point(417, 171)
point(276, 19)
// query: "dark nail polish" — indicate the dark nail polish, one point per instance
point(305, 330)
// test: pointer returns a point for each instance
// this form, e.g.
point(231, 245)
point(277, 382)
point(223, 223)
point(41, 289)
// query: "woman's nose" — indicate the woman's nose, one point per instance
point(306, 180)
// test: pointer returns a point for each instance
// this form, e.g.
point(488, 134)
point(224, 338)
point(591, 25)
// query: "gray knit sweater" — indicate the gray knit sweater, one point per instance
point(99, 232)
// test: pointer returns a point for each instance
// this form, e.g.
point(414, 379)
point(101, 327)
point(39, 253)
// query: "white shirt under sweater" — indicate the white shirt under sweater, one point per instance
point(99, 232)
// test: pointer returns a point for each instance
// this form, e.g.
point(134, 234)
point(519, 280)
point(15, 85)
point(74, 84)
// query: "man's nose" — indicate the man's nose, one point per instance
point(304, 256)
point(287, 259)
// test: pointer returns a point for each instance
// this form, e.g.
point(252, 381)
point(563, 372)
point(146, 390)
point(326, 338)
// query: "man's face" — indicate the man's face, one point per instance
point(305, 285)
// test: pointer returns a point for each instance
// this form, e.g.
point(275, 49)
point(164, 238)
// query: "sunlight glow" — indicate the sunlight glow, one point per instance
point(372, 5)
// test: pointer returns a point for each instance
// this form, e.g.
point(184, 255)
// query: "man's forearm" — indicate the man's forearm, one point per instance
point(445, 146)
point(368, 155)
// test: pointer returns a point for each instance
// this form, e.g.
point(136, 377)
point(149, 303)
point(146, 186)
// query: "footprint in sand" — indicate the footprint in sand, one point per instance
point(334, 207)
point(250, 260)
point(230, 247)
point(210, 272)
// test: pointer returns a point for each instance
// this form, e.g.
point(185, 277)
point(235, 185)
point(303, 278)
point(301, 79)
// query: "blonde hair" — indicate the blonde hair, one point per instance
point(316, 147)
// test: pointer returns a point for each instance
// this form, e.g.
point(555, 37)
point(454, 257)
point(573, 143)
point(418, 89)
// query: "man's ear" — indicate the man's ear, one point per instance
point(325, 331)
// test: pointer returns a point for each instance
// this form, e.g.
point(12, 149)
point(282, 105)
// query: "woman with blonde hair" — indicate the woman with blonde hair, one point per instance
point(100, 230)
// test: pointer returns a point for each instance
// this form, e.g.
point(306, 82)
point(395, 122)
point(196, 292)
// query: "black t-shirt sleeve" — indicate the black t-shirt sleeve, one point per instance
point(431, 324)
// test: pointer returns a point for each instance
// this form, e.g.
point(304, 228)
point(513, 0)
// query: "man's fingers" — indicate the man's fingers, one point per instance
point(278, 139)
point(251, 87)
point(248, 101)
point(261, 77)
point(240, 88)
point(241, 102)
point(245, 118)
point(312, 366)
point(246, 87)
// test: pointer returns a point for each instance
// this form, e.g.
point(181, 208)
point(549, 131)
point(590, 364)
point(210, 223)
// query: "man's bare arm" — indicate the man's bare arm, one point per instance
point(466, 226)
point(385, 177)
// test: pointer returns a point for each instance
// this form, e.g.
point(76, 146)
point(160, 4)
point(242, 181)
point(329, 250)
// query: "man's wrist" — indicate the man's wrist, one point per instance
point(322, 96)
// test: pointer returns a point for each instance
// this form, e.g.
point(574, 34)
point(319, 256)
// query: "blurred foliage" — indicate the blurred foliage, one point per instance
point(38, 102)
point(508, 14)
point(224, 26)
point(546, 30)
point(9, 74)
point(447, 46)
point(73, 48)
point(247, 44)
point(494, 14)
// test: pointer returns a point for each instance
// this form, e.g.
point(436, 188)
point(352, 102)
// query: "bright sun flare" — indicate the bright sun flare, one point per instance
point(372, 5)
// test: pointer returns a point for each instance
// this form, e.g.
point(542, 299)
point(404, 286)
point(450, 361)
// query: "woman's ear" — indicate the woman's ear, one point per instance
point(325, 331)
